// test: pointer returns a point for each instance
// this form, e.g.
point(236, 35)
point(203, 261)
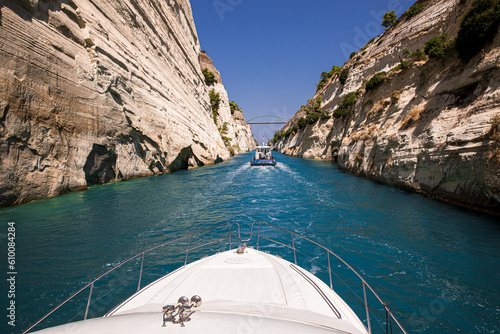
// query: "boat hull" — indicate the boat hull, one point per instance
point(263, 162)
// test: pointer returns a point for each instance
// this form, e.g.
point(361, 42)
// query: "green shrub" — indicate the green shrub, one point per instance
point(233, 107)
point(414, 10)
point(437, 46)
point(389, 18)
point(403, 65)
point(302, 123)
point(340, 112)
point(349, 100)
point(406, 52)
point(345, 106)
point(277, 136)
point(317, 104)
point(214, 104)
point(223, 129)
point(376, 80)
point(418, 55)
point(209, 77)
point(325, 116)
point(335, 70)
point(283, 134)
point(320, 85)
point(312, 118)
point(326, 76)
point(478, 27)
point(344, 74)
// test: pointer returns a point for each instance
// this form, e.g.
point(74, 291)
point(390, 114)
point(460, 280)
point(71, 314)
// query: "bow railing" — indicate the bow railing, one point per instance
point(273, 236)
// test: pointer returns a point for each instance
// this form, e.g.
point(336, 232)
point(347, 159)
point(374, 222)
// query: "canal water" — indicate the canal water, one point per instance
point(436, 266)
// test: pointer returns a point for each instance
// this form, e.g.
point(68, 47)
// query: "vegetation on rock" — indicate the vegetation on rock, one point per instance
point(415, 9)
point(209, 77)
point(479, 26)
point(344, 107)
point(389, 18)
point(344, 74)
point(233, 107)
point(283, 134)
point(214, 103)
point(376, 80)
point(438, 46)
point(325, 76)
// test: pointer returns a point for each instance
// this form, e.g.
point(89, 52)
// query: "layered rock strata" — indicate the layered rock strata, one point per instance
point(432, 127)
point(93, 91)
point(236, 133)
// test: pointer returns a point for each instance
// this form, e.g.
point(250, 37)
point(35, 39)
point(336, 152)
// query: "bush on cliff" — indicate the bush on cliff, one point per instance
point(376, 80)
point(415, 9)
point(317, 104)
point(438, 46)
point(344, 74)
point(214, 104)
point(233, 107)
point(345, 106)
point(283, 134)
point(312, 118)
point(478, 27)
point(302, 123)
point(209, 77)
point(325, 76)
point(389, 19)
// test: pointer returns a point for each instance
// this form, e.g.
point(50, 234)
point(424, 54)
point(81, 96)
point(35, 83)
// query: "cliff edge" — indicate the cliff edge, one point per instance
point(94, 91)
point(423, 121)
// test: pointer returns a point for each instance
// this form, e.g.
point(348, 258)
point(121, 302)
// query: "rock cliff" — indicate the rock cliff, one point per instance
point(429, 124)
point(236, 133)
point(93, 91)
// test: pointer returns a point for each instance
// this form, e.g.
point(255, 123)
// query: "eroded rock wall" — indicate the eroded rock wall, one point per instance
point(236, 133)
point(432, 127)
point(98, 90)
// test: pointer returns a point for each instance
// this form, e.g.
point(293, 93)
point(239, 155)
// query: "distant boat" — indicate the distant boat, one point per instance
point(263, 157)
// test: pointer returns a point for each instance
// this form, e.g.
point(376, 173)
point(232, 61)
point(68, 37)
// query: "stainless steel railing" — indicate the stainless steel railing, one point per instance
point(229, 237)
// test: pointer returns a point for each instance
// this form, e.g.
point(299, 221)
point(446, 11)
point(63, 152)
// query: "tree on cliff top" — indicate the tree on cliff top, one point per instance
point(389, 19)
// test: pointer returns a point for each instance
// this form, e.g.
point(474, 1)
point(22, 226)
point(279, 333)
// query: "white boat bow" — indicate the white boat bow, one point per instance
point(242, 290)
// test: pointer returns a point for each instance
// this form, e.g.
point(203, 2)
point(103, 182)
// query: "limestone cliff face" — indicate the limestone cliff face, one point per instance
point(93, 91)
point(236, 133)
point(432, 127)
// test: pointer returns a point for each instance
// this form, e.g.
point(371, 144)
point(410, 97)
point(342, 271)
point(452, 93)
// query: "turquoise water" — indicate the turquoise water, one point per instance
point(436, 265)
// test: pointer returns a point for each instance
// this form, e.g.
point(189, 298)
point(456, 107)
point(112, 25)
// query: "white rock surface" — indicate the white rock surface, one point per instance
point(237, 134)
point(93, 91)
point(437, 138)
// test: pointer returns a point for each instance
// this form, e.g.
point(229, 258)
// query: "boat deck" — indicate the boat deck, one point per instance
point(250, 292)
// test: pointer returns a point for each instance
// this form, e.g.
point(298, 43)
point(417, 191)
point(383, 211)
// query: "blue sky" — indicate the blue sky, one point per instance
point(271, 53)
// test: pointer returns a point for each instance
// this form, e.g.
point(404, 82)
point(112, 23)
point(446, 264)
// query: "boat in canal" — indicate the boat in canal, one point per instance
point(241, 289)
point(263, 157)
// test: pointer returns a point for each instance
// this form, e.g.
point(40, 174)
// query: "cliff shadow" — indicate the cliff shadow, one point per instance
point(100, 165)
point(38, 9)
